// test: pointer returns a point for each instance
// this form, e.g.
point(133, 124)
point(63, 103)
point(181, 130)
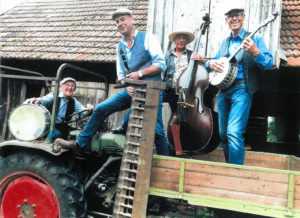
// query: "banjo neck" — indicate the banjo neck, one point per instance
point(264, 23)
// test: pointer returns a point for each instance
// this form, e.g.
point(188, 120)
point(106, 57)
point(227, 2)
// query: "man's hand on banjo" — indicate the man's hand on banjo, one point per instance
point(250, 47)
point(216, 65)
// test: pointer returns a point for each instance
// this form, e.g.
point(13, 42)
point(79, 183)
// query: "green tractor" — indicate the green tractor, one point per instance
point(40, 179)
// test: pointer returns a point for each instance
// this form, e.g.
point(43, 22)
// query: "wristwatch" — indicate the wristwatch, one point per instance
point(140, 74)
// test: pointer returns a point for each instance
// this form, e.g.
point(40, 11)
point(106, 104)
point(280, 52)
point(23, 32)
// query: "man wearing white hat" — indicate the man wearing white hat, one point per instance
point(67, 106)
point(177, 61)
point(146, 62)
point(234, 103)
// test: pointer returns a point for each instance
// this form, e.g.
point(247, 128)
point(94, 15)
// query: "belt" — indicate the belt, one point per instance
point(239, 81)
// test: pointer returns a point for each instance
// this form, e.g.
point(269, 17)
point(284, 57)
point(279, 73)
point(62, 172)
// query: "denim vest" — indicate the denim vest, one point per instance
point(169, 73)
point(251, 69)
point(140, 58)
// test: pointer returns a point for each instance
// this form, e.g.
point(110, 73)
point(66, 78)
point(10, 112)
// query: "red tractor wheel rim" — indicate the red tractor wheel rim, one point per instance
point(27, 195)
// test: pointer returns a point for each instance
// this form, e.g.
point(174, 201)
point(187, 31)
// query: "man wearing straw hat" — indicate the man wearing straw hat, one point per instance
point(177, 61)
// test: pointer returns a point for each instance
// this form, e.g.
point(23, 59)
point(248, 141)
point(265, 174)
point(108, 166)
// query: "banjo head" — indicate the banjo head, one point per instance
point(226, 78)
point(216, 78)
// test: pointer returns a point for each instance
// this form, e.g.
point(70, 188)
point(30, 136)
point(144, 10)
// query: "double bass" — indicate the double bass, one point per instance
point(193, 128)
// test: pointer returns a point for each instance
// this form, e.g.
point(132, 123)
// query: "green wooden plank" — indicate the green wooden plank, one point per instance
point(181, 178)
point(234, 205)
point(229, 165)
point(289, 212)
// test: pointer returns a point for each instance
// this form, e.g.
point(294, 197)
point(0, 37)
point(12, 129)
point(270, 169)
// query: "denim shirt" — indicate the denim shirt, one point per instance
point(249, 67)
point(151, 45)
point(48, 99)
point(264, 59)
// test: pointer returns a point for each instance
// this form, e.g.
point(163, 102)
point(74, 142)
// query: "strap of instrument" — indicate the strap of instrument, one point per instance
point(125, 61)
point(176, 139)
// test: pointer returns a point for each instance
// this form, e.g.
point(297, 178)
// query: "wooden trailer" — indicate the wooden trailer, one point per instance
point(268, 184)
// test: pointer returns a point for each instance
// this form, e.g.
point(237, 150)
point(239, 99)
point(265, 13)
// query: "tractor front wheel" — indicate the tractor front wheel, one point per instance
point(34, 185)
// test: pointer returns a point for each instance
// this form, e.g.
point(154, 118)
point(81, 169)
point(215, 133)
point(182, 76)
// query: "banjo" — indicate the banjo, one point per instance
point(226, 78)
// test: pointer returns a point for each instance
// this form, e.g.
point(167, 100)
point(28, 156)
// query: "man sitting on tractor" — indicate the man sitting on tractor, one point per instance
point(67, 105)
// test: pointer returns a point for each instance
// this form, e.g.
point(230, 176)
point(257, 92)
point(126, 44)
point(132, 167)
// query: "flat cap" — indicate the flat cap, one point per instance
point(234, 9)
point(67, 79)
point(121, 11)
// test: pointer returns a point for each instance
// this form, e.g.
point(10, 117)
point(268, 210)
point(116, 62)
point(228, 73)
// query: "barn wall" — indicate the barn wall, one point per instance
point(165, 16)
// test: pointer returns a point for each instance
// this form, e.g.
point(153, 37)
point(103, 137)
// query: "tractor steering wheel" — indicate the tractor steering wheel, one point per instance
point(77, 119)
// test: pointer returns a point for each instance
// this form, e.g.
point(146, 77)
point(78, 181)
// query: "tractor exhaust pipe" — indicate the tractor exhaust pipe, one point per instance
point(109, 161)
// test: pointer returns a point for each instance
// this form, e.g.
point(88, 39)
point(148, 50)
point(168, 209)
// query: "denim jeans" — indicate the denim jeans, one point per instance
point(121, 101)
point(54, 135)
point(125, 121)
point(60, 131)
point(168, 96)
point(234, 105)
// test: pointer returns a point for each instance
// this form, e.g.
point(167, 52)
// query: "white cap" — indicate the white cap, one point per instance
point(234, 9)
point(121, 11)
point(67, 79)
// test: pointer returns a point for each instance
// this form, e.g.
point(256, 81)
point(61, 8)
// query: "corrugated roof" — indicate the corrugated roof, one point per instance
point(290, 31)
point(80, 30)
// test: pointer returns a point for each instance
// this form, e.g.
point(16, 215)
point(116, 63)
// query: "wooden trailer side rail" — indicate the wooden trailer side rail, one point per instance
point(249, 189)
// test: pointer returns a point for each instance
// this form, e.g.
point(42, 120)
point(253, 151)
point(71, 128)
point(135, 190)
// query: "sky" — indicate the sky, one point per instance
point(8, 4)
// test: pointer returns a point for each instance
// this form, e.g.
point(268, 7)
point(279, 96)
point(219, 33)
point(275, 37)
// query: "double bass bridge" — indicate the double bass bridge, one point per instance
point(185, 105)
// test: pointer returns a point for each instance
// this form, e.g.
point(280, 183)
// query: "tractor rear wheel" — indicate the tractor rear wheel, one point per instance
point(34, 185)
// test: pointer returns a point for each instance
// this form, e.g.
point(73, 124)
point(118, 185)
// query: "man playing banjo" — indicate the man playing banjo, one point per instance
point(234, 102)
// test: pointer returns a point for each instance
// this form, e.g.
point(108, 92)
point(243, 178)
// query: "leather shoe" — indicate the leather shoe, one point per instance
point(69, 145)
point(119, 130)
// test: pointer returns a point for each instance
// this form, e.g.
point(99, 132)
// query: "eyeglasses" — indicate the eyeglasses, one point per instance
point(231, 16)
point(73, 86)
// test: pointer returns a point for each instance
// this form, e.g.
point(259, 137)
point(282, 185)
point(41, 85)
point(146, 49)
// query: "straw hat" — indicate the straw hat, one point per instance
point(190, 35)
